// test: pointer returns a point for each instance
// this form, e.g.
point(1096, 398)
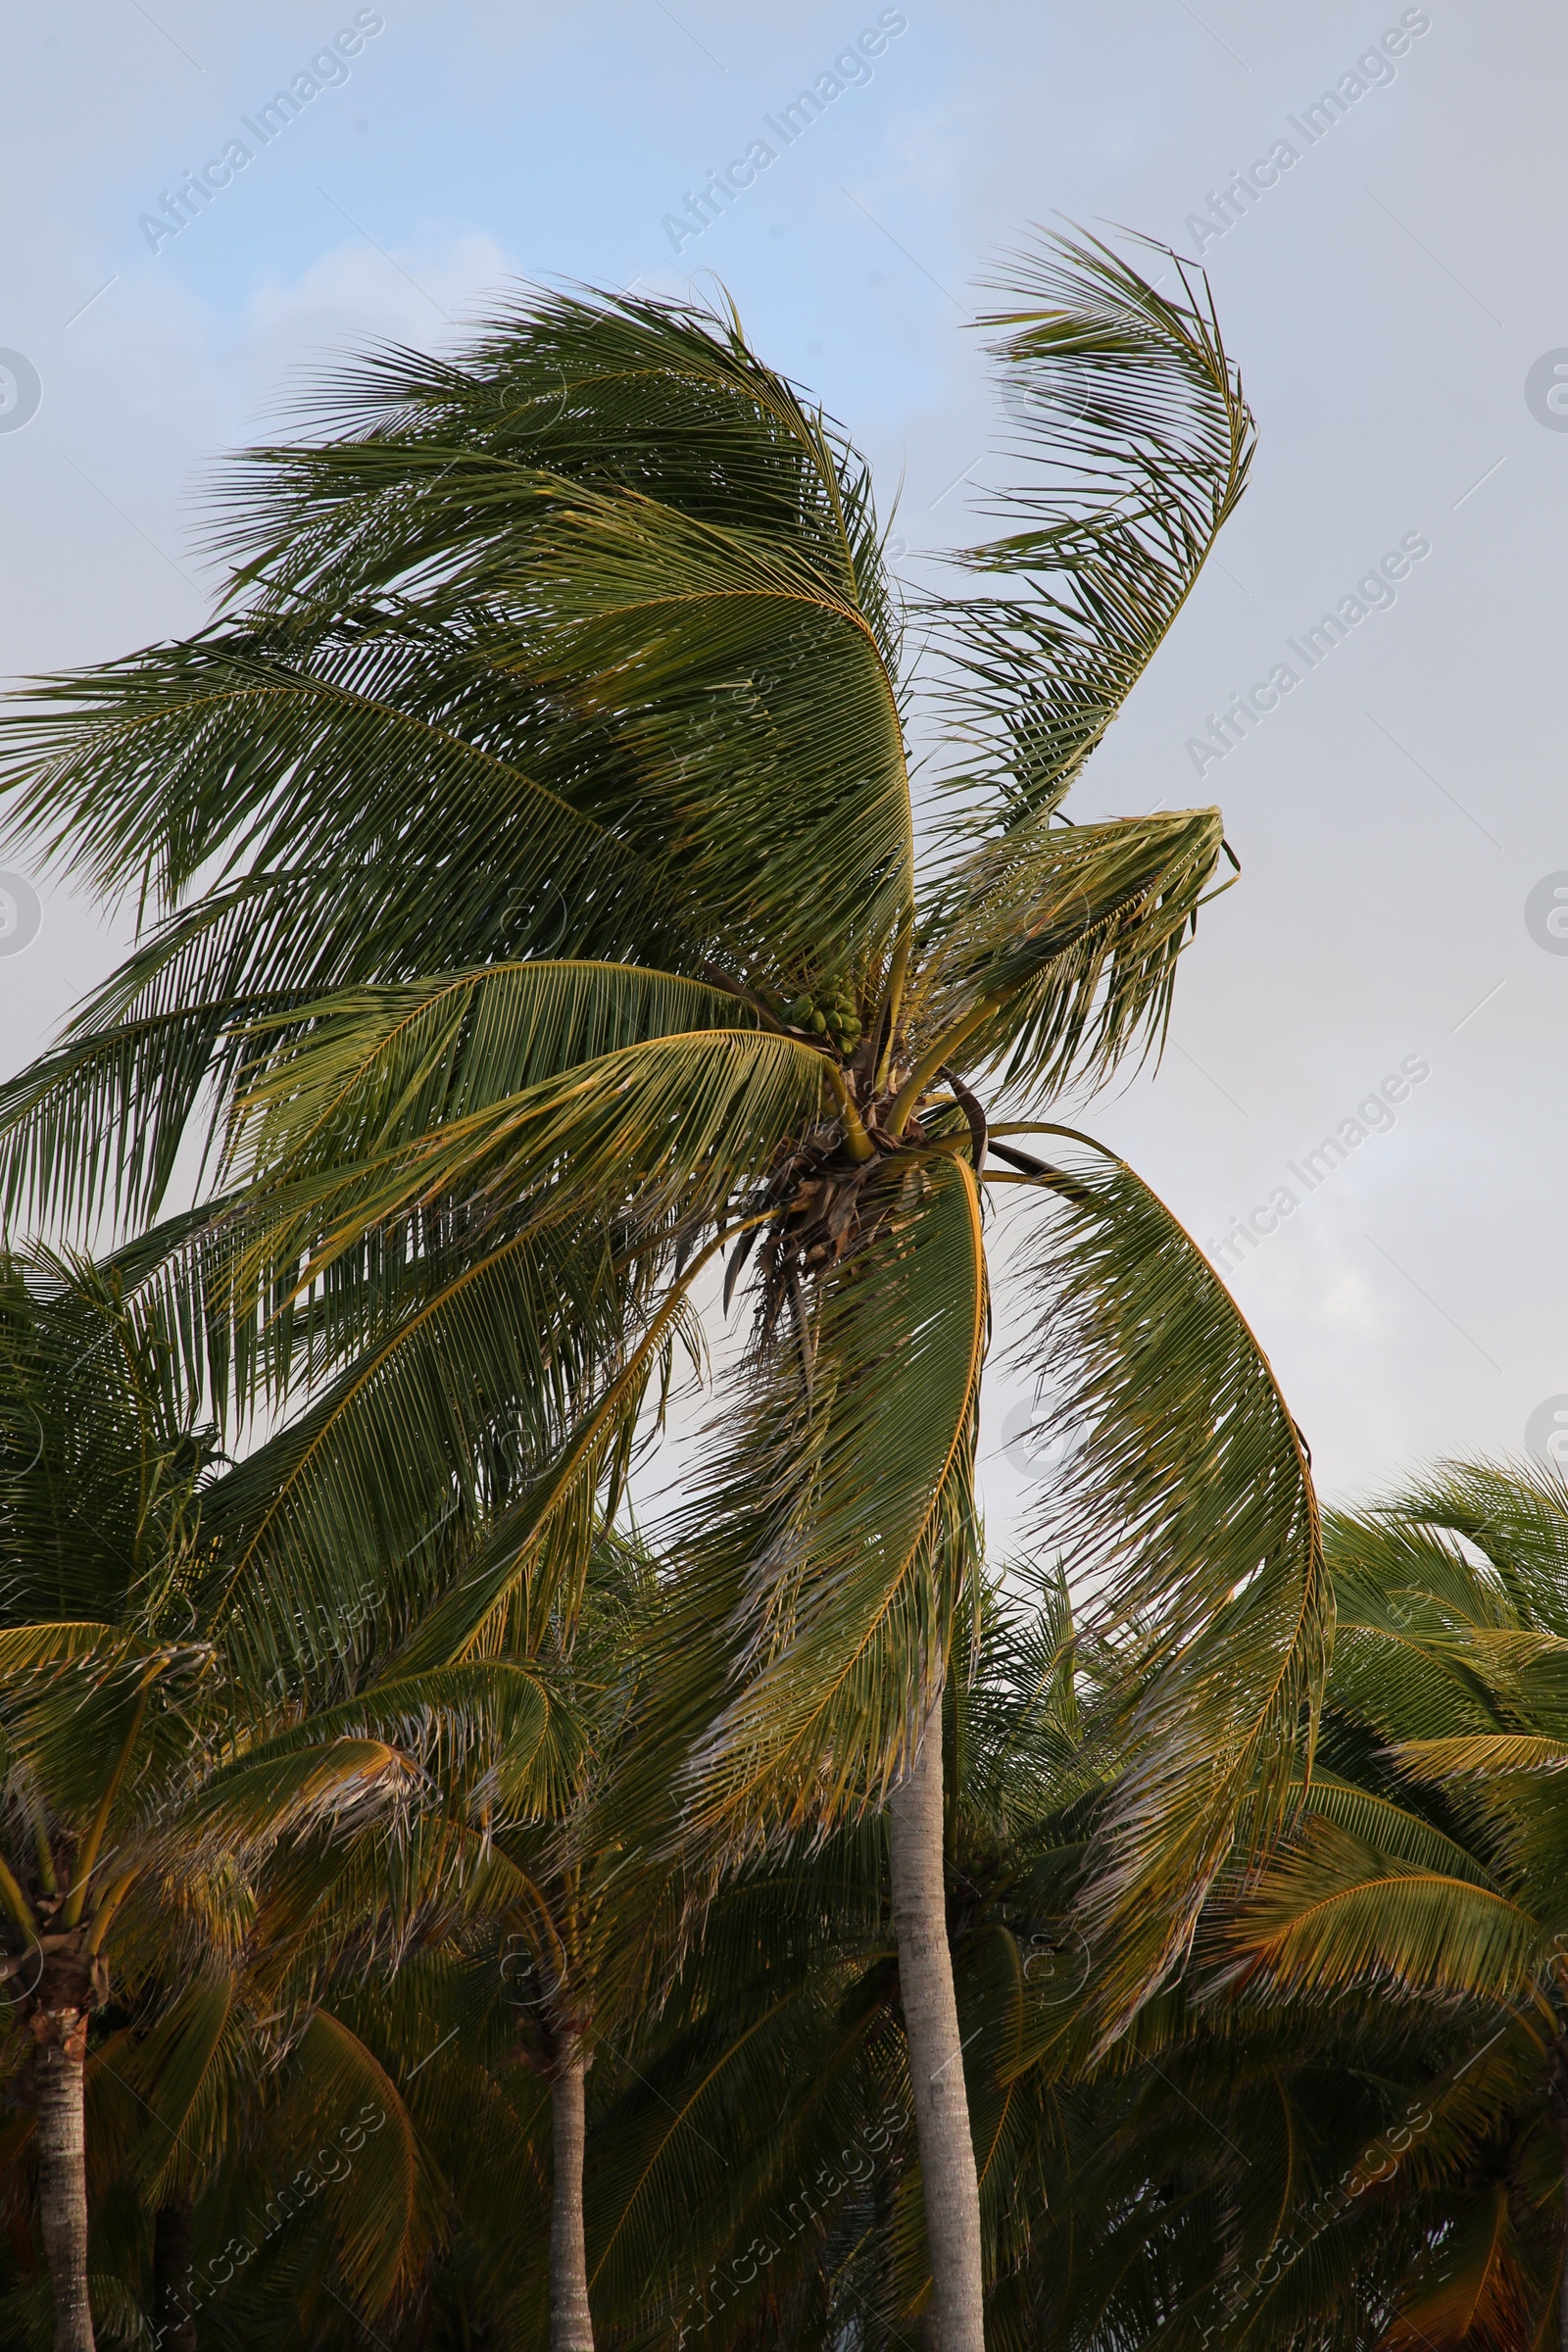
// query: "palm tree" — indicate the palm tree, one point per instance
point(117, 1705)
point(573, 933)
point(99, 1659)
point(757, 2147)
point(1424, 1881)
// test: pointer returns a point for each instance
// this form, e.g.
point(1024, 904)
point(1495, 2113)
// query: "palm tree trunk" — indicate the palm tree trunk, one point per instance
point(571, 2326)
point(936, 2061)
point(174, 2317)
point(62, 2139)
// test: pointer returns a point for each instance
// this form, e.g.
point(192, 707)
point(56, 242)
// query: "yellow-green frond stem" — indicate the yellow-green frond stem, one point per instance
point(103, 1918)
point(931, 1061)
point(16, 1903)
point(893, 1003)
point(89, 1857)
point(857, 1143)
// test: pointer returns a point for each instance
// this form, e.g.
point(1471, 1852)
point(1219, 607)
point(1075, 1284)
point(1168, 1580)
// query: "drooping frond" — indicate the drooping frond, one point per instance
point(1336, 1913)
point(340, 2087)
point(670, 1127)
point(834, 1532)
point(1186, 1509)
point(1474, 2292)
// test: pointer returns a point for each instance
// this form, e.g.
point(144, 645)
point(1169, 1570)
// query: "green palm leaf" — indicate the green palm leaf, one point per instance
point(1131, 414)
point(833, 1539)
point(1187, 1502)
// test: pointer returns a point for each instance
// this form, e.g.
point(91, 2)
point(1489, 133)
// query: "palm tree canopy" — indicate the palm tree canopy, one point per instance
point(551, 759)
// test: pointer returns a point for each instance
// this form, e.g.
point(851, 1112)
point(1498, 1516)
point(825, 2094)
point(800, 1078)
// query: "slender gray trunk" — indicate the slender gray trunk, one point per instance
point(174, 2320)
point(571, 2326)
point(948, 2178)
point(62, 2140)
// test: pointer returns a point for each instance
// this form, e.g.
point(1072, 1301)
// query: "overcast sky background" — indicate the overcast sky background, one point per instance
point(1387, 300)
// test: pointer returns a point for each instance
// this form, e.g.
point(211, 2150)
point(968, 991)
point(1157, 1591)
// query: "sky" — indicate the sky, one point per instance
point(1391, 971)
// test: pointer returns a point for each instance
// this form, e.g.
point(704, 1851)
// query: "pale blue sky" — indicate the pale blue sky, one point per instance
point(1386, 299)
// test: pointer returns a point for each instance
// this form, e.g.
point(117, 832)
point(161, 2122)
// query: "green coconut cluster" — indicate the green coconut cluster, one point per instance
point(827, 1011)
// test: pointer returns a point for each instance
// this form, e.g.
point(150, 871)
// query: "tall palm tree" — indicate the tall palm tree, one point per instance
point(757, 2177)
point(569, 932)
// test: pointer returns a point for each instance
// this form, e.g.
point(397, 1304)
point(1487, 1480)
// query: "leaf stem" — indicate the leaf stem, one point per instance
point(40, 1838)
point(931, 1061)
point(106, 1910)
point(857, 1143)
point(893, 1003)
point(16, 1903)
point(87, 1858)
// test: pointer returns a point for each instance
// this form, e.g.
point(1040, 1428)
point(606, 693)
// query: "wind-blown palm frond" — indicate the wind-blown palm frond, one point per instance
point(1058, 948)
point(670, 1126)
point(378, 1068)
point(1188, 1502)
point(832, 1539)
point(624, 689)
point(1335, 1913)
point(1125, 399)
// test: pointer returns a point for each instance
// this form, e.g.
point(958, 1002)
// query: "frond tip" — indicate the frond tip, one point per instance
point(1134, 443)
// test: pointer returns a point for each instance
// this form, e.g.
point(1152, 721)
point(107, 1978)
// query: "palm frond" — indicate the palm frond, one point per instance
point(1130, 412)
point(833, 1537)
point(1188, 1506)
point(1333, 1914)
point(1054, 949)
